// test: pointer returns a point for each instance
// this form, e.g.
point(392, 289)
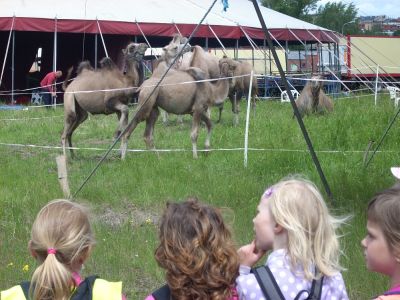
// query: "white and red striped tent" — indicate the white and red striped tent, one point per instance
point(68, 29)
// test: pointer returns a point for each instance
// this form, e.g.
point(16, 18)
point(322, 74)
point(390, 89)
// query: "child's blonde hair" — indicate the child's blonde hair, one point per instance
point(61, 237)
point(297, 205)
point(384, 210)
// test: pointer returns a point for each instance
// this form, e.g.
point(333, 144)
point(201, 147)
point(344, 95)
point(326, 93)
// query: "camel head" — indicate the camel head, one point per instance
point(316, 85)
point(175, 47)
point(135, 51)
point(227, 67)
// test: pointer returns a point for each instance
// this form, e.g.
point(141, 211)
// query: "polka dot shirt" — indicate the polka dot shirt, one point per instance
point(290, 283)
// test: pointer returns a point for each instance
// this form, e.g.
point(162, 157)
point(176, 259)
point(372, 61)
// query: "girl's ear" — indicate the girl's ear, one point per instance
point(278, 228)
point(86, 254)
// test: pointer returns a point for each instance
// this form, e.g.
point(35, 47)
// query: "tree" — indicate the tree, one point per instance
point(338, 16)
point(295, 8)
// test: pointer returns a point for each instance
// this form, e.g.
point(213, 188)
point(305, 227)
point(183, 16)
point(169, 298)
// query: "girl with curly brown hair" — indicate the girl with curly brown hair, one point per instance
point(197, 253)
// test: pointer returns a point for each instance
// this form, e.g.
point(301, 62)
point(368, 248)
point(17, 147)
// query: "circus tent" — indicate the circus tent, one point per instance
point(70, 31)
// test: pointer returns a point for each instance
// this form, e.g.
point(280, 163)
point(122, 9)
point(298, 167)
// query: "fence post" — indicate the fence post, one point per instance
point(246, 135)
point(376, 84)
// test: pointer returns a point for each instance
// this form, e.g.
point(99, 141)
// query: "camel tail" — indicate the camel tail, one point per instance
point(65, 83)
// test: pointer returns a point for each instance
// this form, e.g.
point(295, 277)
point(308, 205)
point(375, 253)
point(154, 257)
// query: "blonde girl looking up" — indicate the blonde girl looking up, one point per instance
point(294, 223)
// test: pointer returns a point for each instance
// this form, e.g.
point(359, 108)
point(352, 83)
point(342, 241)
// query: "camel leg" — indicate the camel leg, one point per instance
point(208, 123)
point(208, 112)
point(141, 115)
point(123, 114)
point(179, 119)
point(164, 115)
point(235, 108)
point(195, 132)
point(81, 117)
point(68, 124)
point(148, 132)
point(220, 108)
point(73, 122)
point(118, 131)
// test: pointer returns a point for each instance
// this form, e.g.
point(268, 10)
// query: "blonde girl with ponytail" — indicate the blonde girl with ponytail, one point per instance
point(61, 241)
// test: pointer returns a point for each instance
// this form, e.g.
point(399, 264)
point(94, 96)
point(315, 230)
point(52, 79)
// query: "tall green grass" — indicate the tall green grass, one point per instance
point(128, 196)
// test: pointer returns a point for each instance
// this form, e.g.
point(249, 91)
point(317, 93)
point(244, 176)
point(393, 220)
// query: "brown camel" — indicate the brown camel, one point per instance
point(198, 58)
point(312, 98)
point(240, 87)
point(112, 91)
point(175, 97)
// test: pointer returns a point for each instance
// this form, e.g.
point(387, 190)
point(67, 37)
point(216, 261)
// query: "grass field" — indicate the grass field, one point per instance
point(128, 196)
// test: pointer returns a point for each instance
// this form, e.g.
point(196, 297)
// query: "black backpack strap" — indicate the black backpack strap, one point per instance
point(267, 283)
point(85, 289)
point(25, 288)
point(316, 289)
point(163, 293)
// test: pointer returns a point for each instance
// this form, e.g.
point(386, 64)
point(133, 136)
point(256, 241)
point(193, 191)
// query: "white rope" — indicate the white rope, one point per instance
point(102, 39)
point(344, 152)
point(26, 119)
point(148, 86)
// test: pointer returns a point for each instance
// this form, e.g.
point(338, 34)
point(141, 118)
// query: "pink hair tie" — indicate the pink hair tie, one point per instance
point(51, 251)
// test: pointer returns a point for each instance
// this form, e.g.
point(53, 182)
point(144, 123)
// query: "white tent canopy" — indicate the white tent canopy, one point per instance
point(156, 17)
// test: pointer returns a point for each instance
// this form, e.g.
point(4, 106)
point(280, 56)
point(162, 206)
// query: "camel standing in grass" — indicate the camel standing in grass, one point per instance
point(312, 98)
point(241, 86)
point(203, 60)
point(175, 97)
point(112, 91)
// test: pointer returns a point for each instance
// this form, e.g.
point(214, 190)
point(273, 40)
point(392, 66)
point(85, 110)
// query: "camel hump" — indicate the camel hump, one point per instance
point(196, 73)
point(197, 56)
point(84, 65)
point(107, 63)
point(65, 83)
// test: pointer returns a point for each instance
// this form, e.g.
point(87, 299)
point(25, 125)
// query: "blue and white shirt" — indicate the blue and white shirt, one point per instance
point(290, 283)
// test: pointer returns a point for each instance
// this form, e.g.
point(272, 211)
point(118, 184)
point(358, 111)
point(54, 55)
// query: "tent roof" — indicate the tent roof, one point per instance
point(154, 18)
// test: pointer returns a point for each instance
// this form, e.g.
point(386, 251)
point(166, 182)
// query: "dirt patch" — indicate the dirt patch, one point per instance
point(129, 212)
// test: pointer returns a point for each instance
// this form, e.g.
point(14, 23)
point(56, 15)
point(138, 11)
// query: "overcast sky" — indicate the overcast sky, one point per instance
point(390, 8)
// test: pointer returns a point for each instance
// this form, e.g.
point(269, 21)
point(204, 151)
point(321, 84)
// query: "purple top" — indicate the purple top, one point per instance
point(393, 291)
point(290, 283)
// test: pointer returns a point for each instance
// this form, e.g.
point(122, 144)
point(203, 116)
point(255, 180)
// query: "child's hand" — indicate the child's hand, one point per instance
point(249, 254)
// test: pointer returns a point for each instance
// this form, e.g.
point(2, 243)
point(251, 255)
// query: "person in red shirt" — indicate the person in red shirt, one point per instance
point(48, 88)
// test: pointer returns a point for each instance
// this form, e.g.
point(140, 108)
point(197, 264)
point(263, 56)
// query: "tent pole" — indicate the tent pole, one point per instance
point(287, 55)
point(12, 68)
point(8, 47)
point(145, 38)
point(54, 98)
point(294, 106)
point(236, 53)
point(219, 41)
point(95, 51)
